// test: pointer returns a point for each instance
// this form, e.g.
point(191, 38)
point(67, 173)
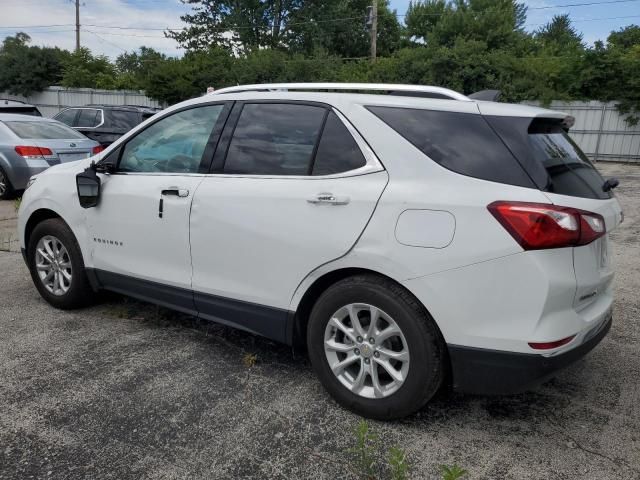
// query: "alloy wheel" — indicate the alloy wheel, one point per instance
point(366, 350)
point(53, 265)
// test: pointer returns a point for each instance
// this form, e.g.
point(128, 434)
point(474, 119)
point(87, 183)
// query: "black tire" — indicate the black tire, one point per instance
point(8, 190)
point(427, 366)
point(80, 293)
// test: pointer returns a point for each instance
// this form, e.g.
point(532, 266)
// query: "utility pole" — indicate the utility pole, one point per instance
point(77, 25)
point(374, 29)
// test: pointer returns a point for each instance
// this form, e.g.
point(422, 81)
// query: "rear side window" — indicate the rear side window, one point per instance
point(337, 151)
point(89, 118)
point(123, 119)
point(67, 116)
point(47, 130)
point(274, 139)
point(552, 159)
point(461, 142)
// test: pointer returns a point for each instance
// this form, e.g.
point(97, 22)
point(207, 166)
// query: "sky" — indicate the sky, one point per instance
point(110, 27)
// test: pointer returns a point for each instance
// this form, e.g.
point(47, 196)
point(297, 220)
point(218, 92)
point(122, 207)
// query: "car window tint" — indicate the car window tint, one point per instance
point(461, 142)
point(89, 118)
point(67, 116)
point(570, 171)
point(47, 130)
point(123, 119)
point(274, 139)
point(173, 144)
point(337, 151)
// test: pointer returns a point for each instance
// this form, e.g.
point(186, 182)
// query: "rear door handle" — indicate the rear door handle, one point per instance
point(175, 191)
point(328, 198)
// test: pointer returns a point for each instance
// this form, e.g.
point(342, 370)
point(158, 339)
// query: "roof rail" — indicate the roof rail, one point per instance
point(396, 89)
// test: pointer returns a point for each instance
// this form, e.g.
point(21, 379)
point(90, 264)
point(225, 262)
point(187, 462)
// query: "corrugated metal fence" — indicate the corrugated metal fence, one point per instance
point(53, 99)
point(601, 132)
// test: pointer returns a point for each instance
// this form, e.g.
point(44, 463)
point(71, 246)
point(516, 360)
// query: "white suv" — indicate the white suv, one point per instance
point(407, 240)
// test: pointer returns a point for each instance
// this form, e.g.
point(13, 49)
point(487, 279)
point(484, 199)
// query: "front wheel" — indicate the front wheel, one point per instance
point(375, 348)
point(56, 265)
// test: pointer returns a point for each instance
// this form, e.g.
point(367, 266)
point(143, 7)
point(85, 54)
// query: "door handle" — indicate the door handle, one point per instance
point(328, 198)
point(175, 191)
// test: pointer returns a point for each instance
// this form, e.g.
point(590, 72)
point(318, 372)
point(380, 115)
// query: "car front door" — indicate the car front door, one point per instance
point(293, 187)
point(139, 232)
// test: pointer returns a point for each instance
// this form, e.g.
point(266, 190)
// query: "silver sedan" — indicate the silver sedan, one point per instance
point(30, 145)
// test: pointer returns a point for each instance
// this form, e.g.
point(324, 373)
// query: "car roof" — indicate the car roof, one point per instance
point(130, 108)
point(6, 102)
point(23, 118)
point(405, 96)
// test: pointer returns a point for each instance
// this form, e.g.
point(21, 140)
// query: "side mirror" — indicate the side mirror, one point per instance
point(88, 187)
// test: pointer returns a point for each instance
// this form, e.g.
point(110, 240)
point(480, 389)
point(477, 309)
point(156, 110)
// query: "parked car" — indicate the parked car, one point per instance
point(29, 145)
point(105, 123)
point(406, 242)
point(17, 106)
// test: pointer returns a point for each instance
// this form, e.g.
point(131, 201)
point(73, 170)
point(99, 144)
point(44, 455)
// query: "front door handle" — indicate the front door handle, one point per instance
point(328, 198)
point(175, 191)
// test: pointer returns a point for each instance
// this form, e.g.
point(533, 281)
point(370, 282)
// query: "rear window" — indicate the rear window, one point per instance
point(551, 157)
point(461, 142)
point(44, 130)
point(33, 111)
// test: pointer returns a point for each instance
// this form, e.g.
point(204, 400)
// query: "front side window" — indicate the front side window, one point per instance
point(174, 144)
point(89, 118)
point(46, 130)
point(274, 139)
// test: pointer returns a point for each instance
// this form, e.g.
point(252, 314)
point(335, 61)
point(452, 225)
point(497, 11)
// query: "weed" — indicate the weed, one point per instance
point(365, 450)
point(249, 359)
point(453, 472)
point(16, 203)
point(398, 465)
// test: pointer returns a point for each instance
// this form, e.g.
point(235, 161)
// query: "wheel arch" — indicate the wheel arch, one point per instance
point(37, 217)
point(300, 317)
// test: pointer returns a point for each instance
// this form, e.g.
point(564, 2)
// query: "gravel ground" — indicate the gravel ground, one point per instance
point(126, 390)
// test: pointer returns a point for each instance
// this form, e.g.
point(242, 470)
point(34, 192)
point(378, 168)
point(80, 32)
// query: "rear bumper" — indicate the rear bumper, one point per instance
point(492, 372)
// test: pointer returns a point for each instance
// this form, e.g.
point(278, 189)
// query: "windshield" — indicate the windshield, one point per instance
point(44, 130)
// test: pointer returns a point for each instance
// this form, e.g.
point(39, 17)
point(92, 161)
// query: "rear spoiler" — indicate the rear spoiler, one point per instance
point(486, 95)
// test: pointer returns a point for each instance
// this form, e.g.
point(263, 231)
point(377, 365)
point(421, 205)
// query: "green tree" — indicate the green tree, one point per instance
point(240, 26)
point(25, 69)
point(82, 69)
point(336, 27)
point(559, 36)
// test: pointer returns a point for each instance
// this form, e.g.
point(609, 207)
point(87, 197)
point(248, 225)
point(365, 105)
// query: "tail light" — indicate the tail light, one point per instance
point(538, 226)
point(97, 149)
point(550, 345)
point(33, 152)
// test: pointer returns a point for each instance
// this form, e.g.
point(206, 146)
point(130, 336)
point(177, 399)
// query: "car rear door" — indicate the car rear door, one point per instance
point(293, 187)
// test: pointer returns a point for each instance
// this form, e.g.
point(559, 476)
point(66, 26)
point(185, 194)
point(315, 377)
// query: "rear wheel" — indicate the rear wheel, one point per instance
point(375, 348)
point(6, 190)
point(57, 267)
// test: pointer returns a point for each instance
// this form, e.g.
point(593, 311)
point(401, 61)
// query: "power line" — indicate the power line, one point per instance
point(581, 4)
point(589, 20)
point(104, 39)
